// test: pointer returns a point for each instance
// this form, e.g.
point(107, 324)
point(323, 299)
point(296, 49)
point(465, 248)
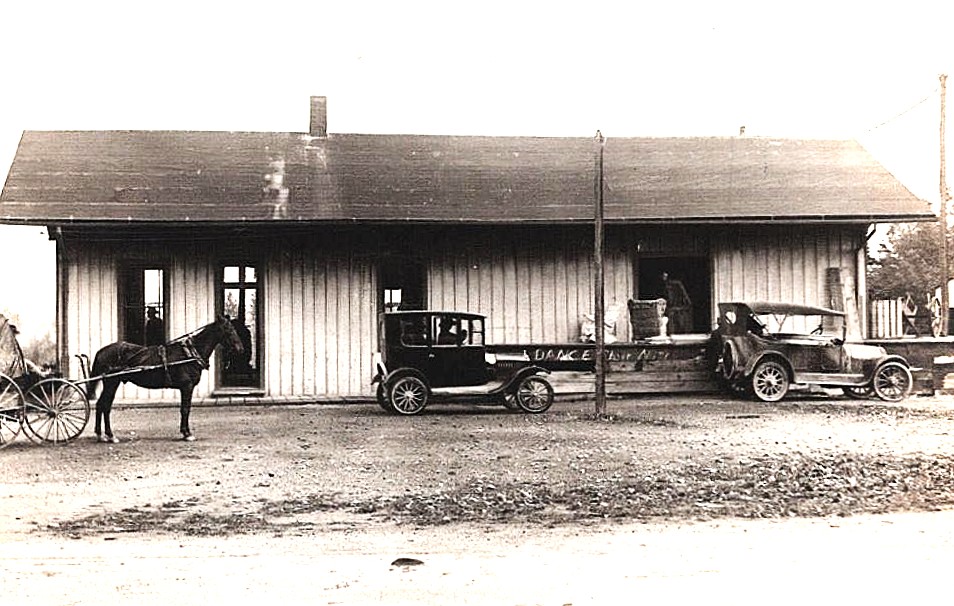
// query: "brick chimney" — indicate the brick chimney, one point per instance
point(319, 117)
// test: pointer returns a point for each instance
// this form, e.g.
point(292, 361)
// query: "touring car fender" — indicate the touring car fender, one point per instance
point(895, 358)
point(776, 355)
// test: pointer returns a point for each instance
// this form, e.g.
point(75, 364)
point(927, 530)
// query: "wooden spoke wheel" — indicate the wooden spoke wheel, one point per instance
point(11, 410)
point(55, 411)
point(859, 393)
point(892, 381)
point(534, 394)
point(408, 395)
point(769, 381)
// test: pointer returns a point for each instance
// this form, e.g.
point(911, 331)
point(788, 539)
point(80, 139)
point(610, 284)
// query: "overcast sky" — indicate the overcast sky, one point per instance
point(833, 70)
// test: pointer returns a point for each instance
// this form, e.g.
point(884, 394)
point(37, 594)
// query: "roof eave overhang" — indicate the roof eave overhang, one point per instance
point(713, 220)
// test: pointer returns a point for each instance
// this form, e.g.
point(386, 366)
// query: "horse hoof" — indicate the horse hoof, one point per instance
point(189, 438)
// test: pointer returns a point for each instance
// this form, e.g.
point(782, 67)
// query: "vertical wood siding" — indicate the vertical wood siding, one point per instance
point(534, 286)
point(320, 322)
point(92, 286)
point(318, 295)
point(93, 309)
point(318, 305)
point(782, 264)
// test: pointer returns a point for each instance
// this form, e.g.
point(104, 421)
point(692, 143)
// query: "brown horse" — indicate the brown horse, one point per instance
point(177, 364)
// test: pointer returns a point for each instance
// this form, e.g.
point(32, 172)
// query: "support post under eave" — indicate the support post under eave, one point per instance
point(62, 300)
point(600, 335)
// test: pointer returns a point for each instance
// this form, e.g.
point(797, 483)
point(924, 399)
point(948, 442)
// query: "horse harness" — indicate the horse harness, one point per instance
point(191, 353)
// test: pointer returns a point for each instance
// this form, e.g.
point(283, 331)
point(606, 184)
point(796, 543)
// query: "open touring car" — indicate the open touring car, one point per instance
point(767, 347)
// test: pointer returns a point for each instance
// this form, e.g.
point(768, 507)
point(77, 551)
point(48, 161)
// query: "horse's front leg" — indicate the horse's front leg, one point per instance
point(185, 407)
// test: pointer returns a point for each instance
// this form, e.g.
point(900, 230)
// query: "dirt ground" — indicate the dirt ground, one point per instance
point(667, 497)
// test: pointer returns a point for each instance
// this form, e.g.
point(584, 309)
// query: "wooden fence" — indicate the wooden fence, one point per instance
point(895, 318)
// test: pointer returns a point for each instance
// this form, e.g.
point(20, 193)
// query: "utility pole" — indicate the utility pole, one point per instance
point(600, 354)
point(945, 197)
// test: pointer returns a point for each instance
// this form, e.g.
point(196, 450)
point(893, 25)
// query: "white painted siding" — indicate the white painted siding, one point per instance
point(533, 289)
point(783, 264)
point(318, 295)
point(320, 323)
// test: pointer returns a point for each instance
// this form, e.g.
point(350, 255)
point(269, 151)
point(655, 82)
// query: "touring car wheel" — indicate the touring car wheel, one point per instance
point(728, 363)
point(770, 381)
point(55, 411)
point(381, 395)
point(11, 410)
point(408, 395)
point(534, 394)
point(859, 393)
point(892, 381)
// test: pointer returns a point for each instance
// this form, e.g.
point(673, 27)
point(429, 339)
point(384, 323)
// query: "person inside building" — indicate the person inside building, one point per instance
point(242, 362)
point(155, 332)
point(678, 305)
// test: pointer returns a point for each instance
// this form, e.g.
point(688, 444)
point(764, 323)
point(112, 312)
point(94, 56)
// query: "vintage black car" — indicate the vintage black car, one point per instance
point(764, 348)
point(444, 354)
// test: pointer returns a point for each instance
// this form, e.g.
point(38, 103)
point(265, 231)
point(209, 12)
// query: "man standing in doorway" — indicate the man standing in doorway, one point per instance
point(155, 332)
point(678, 305)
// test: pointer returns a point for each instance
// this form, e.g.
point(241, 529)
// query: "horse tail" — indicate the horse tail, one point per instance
point(94, 375)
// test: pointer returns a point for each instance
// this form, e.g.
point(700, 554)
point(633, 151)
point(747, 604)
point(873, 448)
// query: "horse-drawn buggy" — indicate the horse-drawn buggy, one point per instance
point(428, 355)
point(44, 408)
point(56, 410)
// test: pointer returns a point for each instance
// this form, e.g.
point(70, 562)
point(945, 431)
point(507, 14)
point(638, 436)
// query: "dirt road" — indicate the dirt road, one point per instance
point(670, 498)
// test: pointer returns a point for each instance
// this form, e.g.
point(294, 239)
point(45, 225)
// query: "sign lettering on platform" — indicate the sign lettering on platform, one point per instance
point(584, 354)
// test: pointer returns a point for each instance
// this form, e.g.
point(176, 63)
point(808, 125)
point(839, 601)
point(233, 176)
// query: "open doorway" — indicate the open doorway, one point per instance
point(686, 281)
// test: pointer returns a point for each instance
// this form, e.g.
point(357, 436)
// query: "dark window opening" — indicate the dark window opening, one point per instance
point(142, 305)
point(401, 286)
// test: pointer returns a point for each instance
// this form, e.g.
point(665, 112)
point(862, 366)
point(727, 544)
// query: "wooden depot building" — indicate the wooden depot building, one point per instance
point(304, 238)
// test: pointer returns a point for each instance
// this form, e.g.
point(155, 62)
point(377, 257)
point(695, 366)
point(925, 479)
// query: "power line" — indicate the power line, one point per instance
point(899, 114)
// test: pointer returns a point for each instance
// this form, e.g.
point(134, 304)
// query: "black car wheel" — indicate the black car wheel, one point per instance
point(892, 381)
point(408, 396)
point(509, 400)
point(770, 381)
point(534, 394)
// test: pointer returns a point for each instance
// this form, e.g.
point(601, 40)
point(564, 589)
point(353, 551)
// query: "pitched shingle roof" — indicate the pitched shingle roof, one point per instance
point(168, 176)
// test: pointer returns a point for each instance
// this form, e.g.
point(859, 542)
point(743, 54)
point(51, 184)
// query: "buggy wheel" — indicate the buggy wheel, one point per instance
point(55, 411)
point(534, 394)
point(381, 395)
point(408, 395)
point(11, 410)
point(769, 381)
point(892, 381)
